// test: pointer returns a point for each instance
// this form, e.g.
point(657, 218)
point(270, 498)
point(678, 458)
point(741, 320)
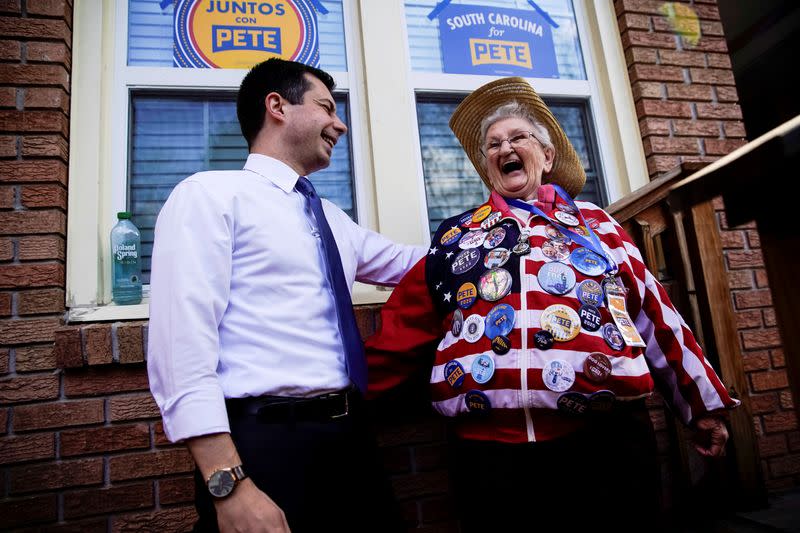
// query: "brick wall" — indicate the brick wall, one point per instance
point(687, 107)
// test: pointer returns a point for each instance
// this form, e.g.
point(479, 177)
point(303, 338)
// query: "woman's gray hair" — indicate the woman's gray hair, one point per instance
point(516, 110)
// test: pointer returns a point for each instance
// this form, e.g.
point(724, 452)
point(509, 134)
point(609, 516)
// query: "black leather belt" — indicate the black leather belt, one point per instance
point(325, 407)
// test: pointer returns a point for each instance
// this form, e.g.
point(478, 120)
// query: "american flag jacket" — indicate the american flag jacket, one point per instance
point(416, 329)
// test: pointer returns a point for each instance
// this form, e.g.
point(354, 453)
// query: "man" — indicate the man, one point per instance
point(250, 359)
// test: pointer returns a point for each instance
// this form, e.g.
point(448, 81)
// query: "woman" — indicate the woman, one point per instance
point(549, 333)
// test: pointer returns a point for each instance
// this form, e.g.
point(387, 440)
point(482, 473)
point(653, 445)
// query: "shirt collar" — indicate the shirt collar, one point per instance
point(278, 172)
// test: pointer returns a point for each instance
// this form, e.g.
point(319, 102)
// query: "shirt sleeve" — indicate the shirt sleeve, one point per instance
point(684, 376)
point(189, 289)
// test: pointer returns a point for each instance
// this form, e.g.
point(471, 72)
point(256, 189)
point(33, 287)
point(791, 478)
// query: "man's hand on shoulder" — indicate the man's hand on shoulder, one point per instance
point(249, 509)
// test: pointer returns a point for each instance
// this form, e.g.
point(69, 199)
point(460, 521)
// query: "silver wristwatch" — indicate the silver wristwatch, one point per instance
point(222, 482)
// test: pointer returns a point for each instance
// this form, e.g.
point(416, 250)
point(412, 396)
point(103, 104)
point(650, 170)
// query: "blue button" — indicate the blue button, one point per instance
point(588, 262)
point(477, 402)
point(454, 373)
point(499, 321)
point(482, 368)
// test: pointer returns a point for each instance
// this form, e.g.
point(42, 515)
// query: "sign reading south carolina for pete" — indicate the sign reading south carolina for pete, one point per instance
point(496, 41)
point(241, 33)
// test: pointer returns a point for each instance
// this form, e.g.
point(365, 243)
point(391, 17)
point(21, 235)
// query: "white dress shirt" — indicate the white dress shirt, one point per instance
point(240, 304)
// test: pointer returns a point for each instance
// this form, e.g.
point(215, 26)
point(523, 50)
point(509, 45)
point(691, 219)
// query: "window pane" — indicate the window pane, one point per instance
point(172, 137)
point(150, 35)
point(451, 183)
point(425, 50)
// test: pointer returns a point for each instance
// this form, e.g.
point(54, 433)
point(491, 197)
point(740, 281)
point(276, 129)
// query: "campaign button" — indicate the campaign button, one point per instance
point(580, 230)
point(465, 260)
point(495, 237)
point(590, 292)
point(566, 208)
point(573, 403)
point(554, 234)
point(501, 345)
point(590, 317)
point(472, 239)
point(602, 401)
point(477, 402)
point(482, 368)
point(613, 284)
point(465, 219)
point(454, 374)
point(450, 236)
point(499, 321)
point(466, 295)
point(597, 367)
point(592, 222)
point(543, 339)
point(558, 375)
point(566, 218)
point(556, 278)
point(494, 284)
point(481, 213)
point(555, 250)
point(473, 328)
point(562, 321)
point(612, 336)
point(587, 262)
point(496, 258)
point(458, 323)
point(491, 220)
point(521, 248)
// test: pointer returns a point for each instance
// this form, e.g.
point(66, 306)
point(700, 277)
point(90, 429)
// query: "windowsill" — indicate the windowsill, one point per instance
point(363, 294)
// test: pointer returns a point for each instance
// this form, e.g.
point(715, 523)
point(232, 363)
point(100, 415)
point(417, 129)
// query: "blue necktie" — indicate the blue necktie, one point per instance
point(353, 347)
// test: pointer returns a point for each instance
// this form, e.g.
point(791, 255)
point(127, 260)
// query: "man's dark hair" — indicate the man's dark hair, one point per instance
point(273, 75)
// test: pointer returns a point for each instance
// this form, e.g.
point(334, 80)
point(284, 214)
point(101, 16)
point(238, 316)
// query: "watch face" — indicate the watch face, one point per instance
point(221, 483)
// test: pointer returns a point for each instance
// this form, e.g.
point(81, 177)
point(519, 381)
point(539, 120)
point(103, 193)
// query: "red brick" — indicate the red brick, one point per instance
point(722, 111)
point(682, 58)
point(104, 439)
point(420, 484)
point(19, 512)
point(31, 275)
point(711, 44)
point(648, 89)
point(657, 108)
point(37, 302)
point(10, 6)
point(5, 304)
point(734, 129)
point(769, 317)
point(10, 50)
point(59, 475)
point(34, 29)
point(6, 249)
point(727, 94)
point(651, 7)
point(50, 8)
point(705, 128)
point(787, 402)
point(45, 146)
point(753, 239)
point(778, 358)
point(27, 331)
point(755, 360)
point(722, 146)
point(763, 403)
point(666, 145)
point(33, 171)
point(3, 422)
point(18, 449)
point(48, 53)
point(34, 122)
point(770, 380)
point(761, 278)
point(772, 445)
point(720, 61)
point(765, 338)
point(173, 520)
point(108, 500)
point(630, 21)
point(661, 163)
point(712, 76)
point(641, 55)
point(24, 388)
point(8, 97)
point(130, 343)
point(782, 421)
point(133, 407)
point(97, 381)
point(151, 464)
point(33, 358)
point(732, 239)
point(97, 341)
point(689, 92)
point(8, 146)
point(754, 298)
point(794, 440)
point(176, 490)
point(159, 436)
point(58, 414)
point(655, 73)
point(33, 248)
point(68, 348)
point(46, 98)
point(654, 126)
point(648, 40)
point(711, 28)
point(788, 465)
point(27, 222)
point(745, 259)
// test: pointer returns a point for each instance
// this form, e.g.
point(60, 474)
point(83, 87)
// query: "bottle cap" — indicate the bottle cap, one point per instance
point(123, 215)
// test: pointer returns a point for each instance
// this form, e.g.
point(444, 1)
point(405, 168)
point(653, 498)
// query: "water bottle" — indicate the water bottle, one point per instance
point(126, 247)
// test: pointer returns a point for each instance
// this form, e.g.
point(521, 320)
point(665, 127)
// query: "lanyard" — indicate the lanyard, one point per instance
point(593, 243)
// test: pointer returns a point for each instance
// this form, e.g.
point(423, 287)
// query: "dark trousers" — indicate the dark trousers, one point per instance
point(604, 477)
point(324, 475)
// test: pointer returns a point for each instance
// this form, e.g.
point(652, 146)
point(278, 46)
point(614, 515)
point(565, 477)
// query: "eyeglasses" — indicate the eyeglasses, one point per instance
point(515, 141)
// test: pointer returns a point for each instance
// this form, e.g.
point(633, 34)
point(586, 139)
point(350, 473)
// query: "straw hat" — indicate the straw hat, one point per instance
point(567, 170)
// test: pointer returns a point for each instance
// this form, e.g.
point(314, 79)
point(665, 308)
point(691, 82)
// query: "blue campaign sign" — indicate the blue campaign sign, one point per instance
point(496, 41)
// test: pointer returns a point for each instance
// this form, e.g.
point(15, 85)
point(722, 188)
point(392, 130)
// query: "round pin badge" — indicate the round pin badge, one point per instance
point(562, 321)
point(590, 317)
point(580, 230)
point(566, 218)
point(573, 403)
point(454, 373)
point(477, 402)
point(491, 220)
point(495, 237)
point(587, 262)
point(473, 328)
point(566, 208)
point(556, 278)
point(593, 223)
point(481, 213)
point(499, 321)
point(472, 239)
point(521, 248)
point(466, 295)
point(496, 258)
point(602, 401)
point(465, 260)
point(482, 368)
point(612, 336)
point(590, 292)
point(501, 345)
point(558, 375)
point(597, 367)
point(494, 284)
point(450, 236)
point(458, 323)
point(555, 250)
point(613, 284)
point(465, 219)
point(554, 234)
point(543, 339)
